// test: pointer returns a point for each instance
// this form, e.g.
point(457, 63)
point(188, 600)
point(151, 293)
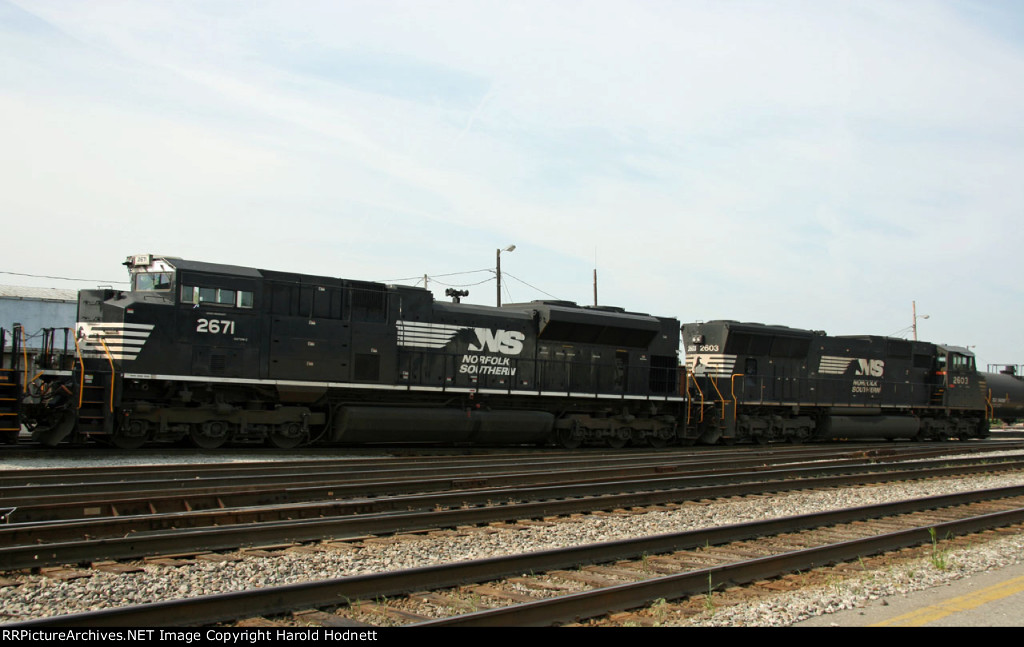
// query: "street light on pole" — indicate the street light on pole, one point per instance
point(497, 271)
point(913, 305)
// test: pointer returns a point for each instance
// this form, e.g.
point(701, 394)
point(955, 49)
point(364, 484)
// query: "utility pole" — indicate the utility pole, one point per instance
point(497, 268)
point(913, 305)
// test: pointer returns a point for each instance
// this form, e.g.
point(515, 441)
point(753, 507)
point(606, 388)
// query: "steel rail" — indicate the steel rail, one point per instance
point(37, 507)
point(259, 478)
point(470, 508)
point(283, 599)
point(37, 496)
point(127, 474)
point(589, 604)
point(37, 482)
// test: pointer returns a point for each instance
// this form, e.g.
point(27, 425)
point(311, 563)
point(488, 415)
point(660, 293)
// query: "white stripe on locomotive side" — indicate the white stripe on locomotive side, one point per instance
point(393, 387)
point(420, 334)
point(712, 365)
point(123, 341)
point(832, 365)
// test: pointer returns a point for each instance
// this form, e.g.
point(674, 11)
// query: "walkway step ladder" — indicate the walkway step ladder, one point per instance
point(95, 417)
point(10, 405)
point(10, 387)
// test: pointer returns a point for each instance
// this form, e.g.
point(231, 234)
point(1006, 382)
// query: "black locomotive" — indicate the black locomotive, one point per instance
point(773, 382)
point(219, 353)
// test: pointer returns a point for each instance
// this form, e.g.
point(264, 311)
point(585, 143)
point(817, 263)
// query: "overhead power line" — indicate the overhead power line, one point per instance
point(461, 285)
point(60, 278)
point(432, 276)
point(435, 279)
point(532, 286)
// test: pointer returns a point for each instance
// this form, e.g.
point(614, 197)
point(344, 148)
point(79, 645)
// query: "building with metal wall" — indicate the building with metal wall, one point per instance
point(35, 309)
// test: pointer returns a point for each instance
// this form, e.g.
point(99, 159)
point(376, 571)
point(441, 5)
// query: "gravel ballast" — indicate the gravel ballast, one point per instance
point(34, 595)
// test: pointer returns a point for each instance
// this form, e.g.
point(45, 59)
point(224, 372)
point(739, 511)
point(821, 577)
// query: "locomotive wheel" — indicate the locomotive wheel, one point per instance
point(209, 435)
point(286, 436)
point(569, 438)
point(132, 435)
point(619, 438)
point(616, 442)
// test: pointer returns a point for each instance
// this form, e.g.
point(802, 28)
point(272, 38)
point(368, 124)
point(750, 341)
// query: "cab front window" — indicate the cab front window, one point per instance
point(150, 281)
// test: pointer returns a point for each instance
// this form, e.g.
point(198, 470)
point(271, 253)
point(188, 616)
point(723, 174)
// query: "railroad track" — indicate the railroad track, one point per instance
point(571, 584)
point(45, 495)
point(50, 543)
point(104, 479)
point(671, 480)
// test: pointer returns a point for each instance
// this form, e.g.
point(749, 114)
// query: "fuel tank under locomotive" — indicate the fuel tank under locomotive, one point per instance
point(838, 427)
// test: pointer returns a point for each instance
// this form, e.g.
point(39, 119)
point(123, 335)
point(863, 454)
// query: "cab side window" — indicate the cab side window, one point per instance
point(219, 296)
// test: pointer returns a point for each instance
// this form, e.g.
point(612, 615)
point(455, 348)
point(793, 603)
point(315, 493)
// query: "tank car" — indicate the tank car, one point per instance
point(764, 383)
point(221, 353)
point(1007, 391)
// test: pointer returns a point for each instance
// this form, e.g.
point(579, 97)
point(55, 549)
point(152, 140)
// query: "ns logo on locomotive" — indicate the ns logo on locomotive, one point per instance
point(226, 354)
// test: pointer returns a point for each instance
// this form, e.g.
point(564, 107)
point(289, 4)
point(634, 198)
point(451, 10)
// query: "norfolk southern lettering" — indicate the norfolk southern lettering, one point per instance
point(508, 342)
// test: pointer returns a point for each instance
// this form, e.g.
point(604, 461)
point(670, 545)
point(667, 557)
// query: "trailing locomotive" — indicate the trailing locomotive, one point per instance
point(769, 383)
point(217, 354)
point(220, 353)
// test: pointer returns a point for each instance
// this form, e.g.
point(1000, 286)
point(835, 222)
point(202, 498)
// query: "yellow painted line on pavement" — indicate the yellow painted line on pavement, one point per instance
point(967, 602)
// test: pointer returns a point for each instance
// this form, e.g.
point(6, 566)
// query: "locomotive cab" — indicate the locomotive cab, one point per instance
point(177, 318)
point(115, 326)
point(149, 275)
point(207, 310)
point(961, 383)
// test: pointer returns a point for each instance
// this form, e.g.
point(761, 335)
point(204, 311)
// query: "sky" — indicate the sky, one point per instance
point(818, 164)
